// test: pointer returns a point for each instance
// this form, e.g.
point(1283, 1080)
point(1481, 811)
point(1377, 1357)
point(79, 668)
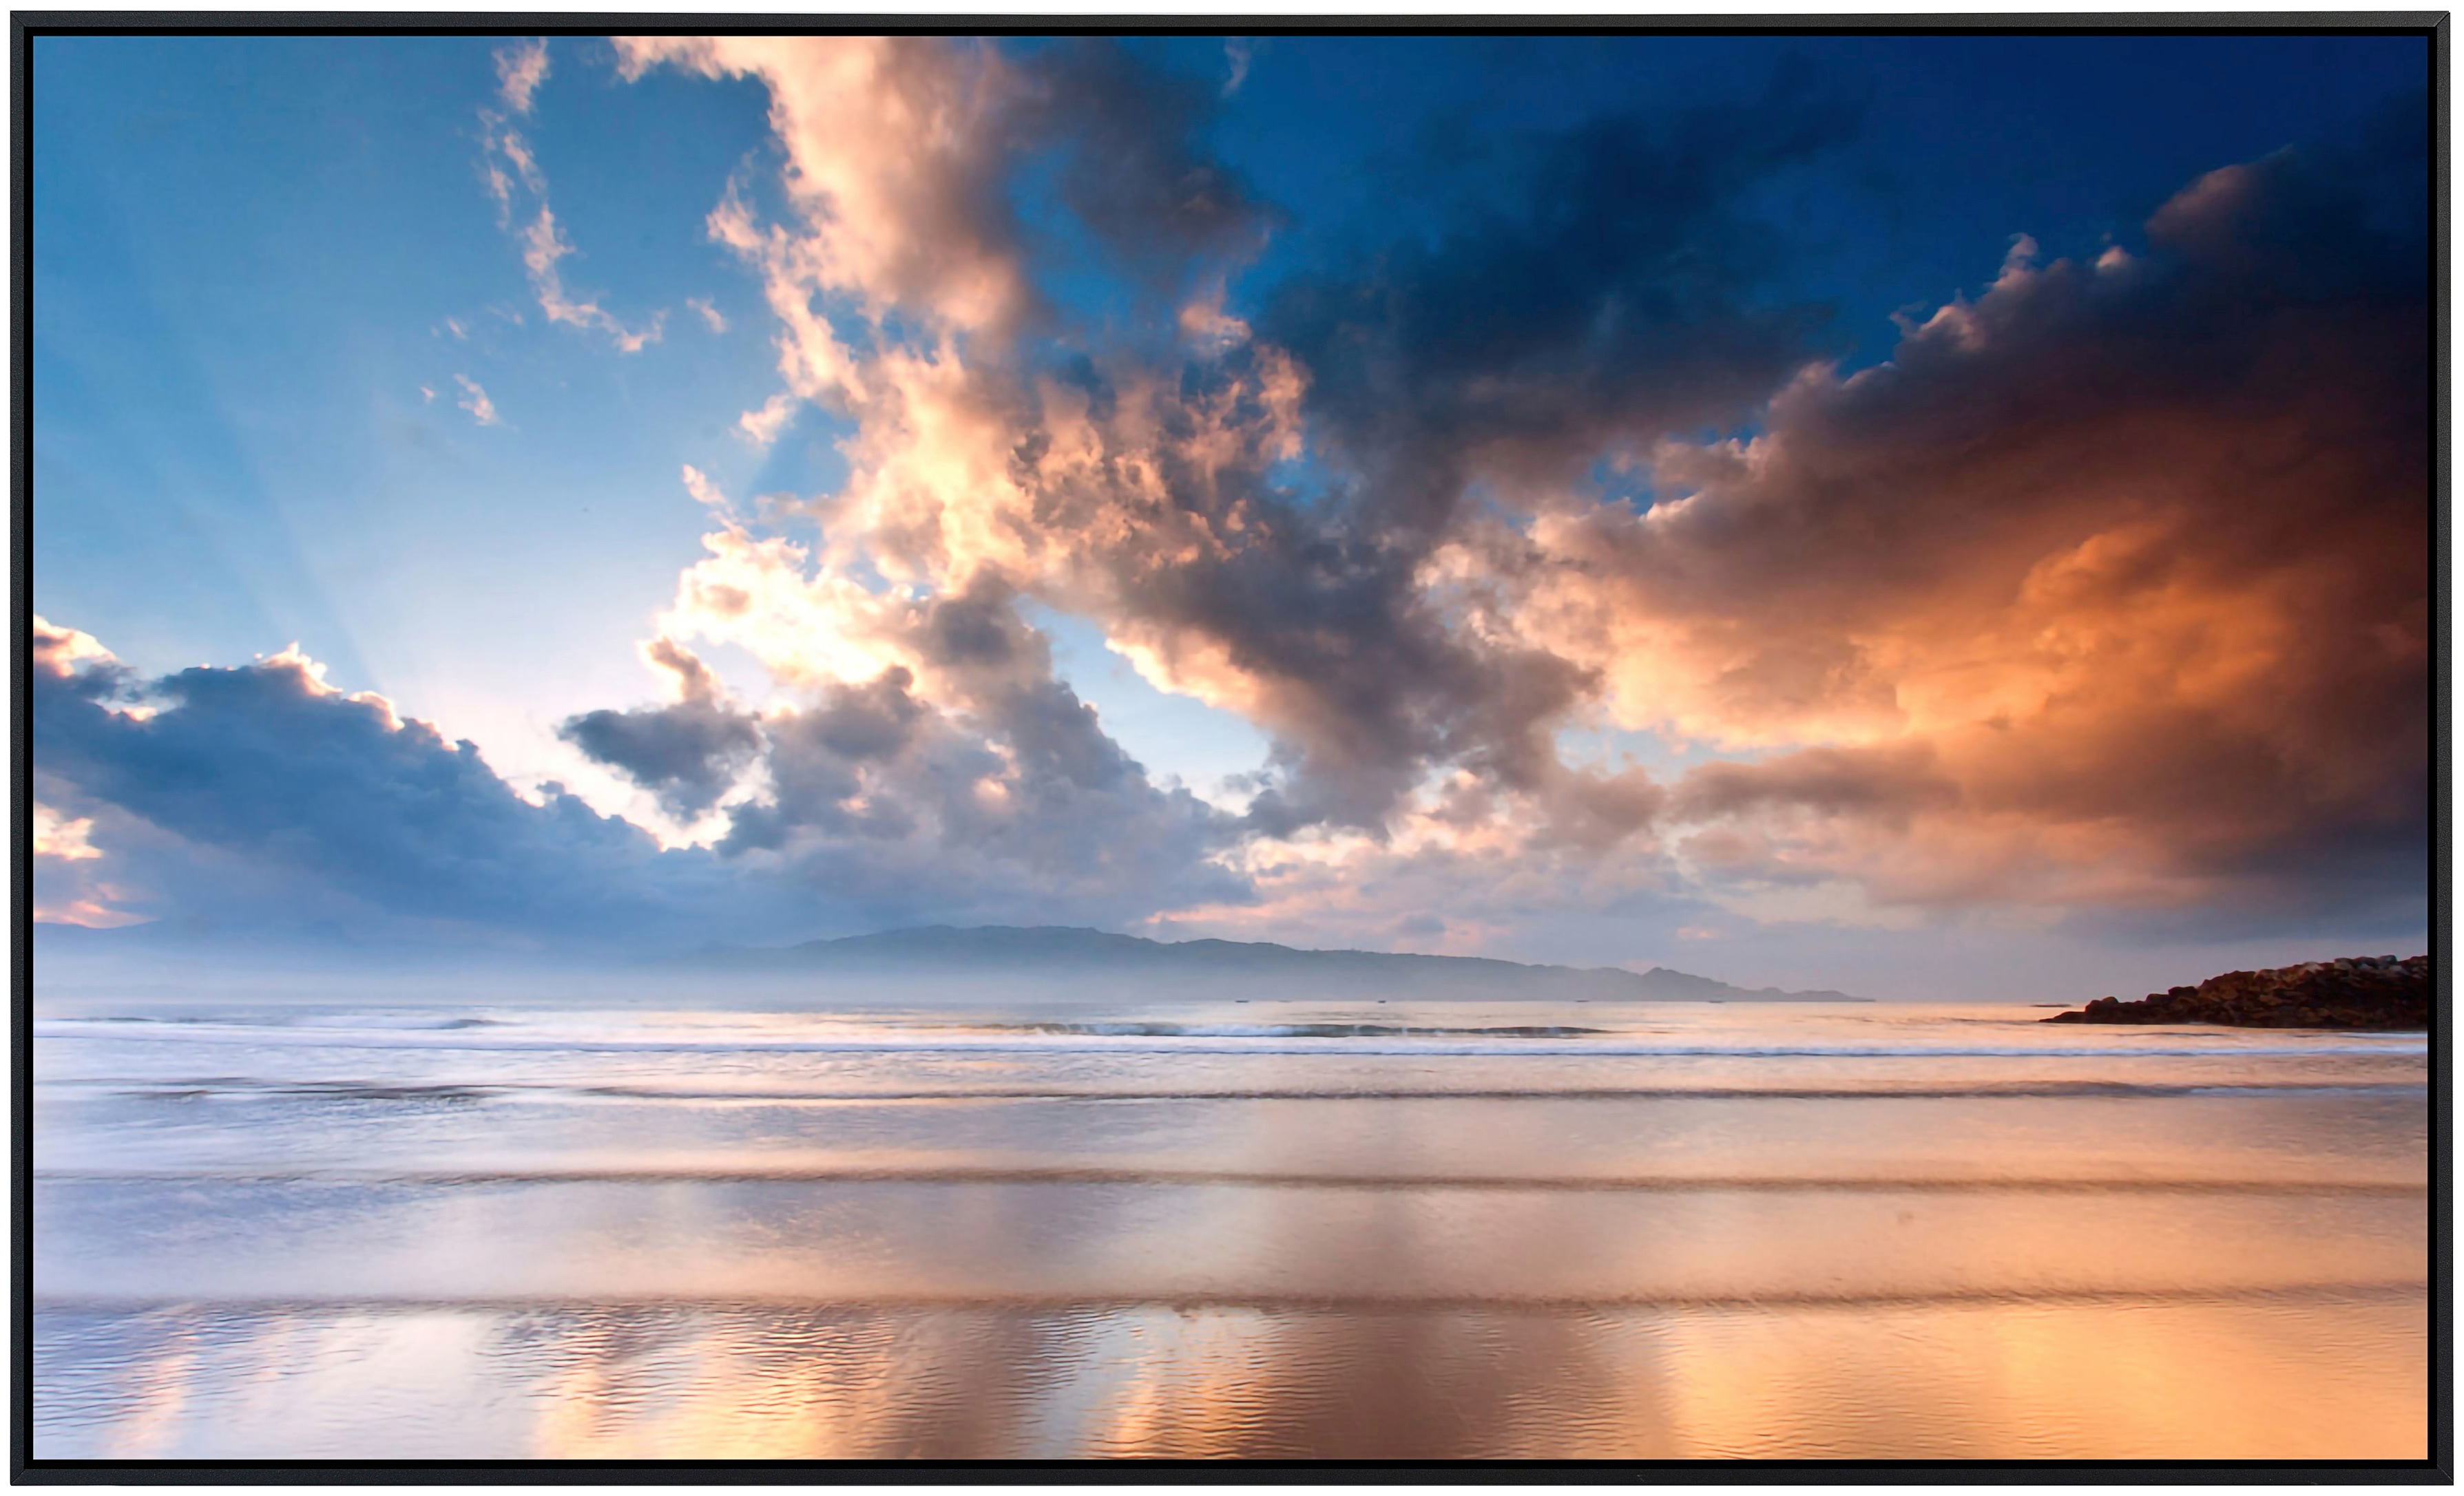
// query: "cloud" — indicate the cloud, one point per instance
point(712, 315)
point(762, 426)
point(322, 794)
point(1012, 780)
point(543, 245)
point(1238, 51)
point(514, 179)
point(898, 163)
point(521, 69)
point(2097, 593)
point(1135, 485)
point(57, 836)
point(935, 722)
point(2107, 593)
point(72, 654)
point(1609, 300)
point(1134, 166)
point(1888, 782)
point(262, 795)
point(903, 159)
point(1075, 483)
point(475, 401)
point(707, 494)
point(2109, 588)
point(688, 754)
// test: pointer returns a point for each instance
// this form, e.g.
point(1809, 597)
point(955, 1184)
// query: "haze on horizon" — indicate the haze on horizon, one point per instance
point(1927, 517)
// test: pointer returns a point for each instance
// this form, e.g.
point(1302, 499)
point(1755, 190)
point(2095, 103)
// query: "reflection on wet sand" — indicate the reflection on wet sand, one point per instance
point(1032, 1244)
point(1662, 1235)
point(2118, 1378)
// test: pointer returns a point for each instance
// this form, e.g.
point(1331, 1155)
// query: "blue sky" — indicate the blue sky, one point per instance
point(293, 382)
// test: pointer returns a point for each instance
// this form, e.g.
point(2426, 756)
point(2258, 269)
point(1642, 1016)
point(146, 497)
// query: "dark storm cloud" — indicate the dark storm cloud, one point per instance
point(263, 792)
point(817, 761)
point(873, 720)
point(2113, 580)
point(1611, 301)
point(1009, 766)
point(1137, 173)
point(1004, 777)
point(1886, 783)
point(689, 754)
point(1156, 510)
point(2129, 560)
point(265, 764)
point(1611, 298)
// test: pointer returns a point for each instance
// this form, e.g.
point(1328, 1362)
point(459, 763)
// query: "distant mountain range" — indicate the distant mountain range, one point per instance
point(1045, 962)
point(1047, 956)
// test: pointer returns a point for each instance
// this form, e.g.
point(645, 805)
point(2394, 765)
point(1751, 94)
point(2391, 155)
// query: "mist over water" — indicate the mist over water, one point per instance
point(583, 1219)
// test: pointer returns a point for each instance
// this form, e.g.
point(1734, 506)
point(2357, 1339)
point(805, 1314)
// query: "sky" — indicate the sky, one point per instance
point(1936, 517)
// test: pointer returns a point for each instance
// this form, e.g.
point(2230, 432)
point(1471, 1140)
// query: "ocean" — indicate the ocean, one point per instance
point(489, 1229)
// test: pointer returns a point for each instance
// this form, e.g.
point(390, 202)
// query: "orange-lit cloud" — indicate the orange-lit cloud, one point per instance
point(2110, 586)
point(2107, 588)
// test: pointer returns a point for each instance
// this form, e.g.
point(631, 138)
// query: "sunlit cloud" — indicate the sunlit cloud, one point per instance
point(55, 836)
point(475, 401)
point(520, 70)
point(1466, 641)
point(515, 181)
point(543, 245)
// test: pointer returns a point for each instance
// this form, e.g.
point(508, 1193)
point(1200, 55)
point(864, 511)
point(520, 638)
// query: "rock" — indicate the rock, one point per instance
point(2352, 992)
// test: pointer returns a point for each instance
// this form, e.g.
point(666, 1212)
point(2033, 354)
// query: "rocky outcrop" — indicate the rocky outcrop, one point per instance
point(2356, 992)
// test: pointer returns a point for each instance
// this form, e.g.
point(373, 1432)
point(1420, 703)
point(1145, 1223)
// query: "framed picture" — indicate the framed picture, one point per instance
point(1699, 749)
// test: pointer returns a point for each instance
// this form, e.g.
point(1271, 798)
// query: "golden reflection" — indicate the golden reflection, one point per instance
point(740, 1385)
point(2117, 1380)
point(2208, 1383)
point(148, 1430)
point(1193, 1385)
point(2320, 1376)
